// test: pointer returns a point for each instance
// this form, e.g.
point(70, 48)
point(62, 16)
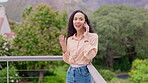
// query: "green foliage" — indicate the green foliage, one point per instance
point(53, 79)
point(61, 70)
point(122, 31)
point(39, 31)
point(13, 25)
point(38, 35)
point(115, 23)
point(139, 73)
point(107, 75)
point(122, 64)
point(5, 47)
point(2, 41)
point(13, 75)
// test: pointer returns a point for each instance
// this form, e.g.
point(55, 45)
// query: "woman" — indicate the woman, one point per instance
point(80, 49)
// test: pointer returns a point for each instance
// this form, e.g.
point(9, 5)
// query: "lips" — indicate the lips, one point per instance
point(78, 25)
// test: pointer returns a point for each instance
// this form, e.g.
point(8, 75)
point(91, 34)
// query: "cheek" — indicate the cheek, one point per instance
point(82, 22)
point(73, 22)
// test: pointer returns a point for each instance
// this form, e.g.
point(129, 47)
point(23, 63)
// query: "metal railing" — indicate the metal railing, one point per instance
point(94, 73)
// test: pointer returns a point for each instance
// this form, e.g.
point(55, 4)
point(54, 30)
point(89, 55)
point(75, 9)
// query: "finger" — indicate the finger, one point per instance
point(61, 36)
point(65, 39)
point(87, 28)
point(85, 25)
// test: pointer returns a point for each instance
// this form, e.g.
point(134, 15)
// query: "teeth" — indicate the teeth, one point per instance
point(78, 25)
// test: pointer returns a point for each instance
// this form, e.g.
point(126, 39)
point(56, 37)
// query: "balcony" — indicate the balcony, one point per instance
point(94, 73)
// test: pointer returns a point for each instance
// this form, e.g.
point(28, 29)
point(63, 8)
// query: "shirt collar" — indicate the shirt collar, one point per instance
point(75, 38)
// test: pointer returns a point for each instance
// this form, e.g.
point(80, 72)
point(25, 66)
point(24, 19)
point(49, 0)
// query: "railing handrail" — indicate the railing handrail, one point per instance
point(31, 58)
point(94, 73)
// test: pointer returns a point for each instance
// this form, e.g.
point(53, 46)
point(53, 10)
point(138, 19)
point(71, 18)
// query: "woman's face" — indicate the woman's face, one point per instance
point(79, 21)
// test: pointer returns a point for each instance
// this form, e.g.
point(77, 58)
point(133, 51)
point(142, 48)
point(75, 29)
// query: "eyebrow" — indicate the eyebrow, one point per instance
point(78, 17)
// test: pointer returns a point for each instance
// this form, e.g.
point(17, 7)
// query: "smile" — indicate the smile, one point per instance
point(78, 26)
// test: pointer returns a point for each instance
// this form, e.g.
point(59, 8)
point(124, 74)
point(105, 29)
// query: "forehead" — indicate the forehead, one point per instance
point(79, 15)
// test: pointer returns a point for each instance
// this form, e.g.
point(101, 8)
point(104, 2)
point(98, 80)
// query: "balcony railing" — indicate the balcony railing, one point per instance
point(94, 73)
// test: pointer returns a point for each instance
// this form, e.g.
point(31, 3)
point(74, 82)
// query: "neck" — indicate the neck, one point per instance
point(80, 33)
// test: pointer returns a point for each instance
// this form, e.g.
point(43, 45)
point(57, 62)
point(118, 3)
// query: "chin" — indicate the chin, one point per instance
point(78, 28)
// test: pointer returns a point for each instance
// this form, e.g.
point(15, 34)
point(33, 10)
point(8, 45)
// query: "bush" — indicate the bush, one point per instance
point(122, 64)
point(5, 47)
point(139, 73)
point(107, 75)
point(12, 75)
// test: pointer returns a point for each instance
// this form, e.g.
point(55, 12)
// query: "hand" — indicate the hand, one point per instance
point(62, 41)
point(87, 29)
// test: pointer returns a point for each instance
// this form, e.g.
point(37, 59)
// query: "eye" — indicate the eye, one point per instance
point(81, 19)
point(75, 18)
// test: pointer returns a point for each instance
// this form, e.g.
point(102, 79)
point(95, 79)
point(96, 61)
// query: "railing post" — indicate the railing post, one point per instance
point(95, 74)
point(7, 71)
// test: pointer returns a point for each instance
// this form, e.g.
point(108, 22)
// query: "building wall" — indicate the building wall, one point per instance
point(4, 25)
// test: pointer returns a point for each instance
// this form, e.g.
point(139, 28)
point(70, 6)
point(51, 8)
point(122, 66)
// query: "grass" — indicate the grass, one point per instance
point(61, 71)
point(59, 75)
point(117, 80)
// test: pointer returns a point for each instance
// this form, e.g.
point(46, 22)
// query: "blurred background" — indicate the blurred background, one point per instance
point(32, 27)
point(14, 8)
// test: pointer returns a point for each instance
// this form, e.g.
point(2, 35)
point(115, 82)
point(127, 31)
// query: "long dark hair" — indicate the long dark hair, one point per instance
point(71, 30)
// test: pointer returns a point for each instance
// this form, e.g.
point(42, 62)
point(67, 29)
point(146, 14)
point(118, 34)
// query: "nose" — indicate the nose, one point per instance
point(77, 21)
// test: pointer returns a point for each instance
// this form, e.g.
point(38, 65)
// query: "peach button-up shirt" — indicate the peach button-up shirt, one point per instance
point(81, 51)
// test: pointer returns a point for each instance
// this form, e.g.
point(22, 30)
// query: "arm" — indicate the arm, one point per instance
point(91, 48)
point(65, 48)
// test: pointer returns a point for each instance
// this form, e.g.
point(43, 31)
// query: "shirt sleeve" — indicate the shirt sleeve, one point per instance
point(91, 48)
point(66, 54)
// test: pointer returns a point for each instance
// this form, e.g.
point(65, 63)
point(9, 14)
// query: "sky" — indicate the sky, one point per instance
point(3, 1)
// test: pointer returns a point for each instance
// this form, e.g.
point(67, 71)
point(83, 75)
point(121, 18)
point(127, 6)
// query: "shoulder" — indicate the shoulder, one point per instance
point(93, 35)
point(69, 38)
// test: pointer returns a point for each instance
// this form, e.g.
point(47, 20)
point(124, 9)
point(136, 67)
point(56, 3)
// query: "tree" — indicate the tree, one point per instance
point(38, 35)
point(122, 31)
point(13, 25)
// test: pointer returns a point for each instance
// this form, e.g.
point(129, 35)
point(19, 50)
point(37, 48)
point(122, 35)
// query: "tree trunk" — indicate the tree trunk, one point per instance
point(41, 76)
point(109, 58)
point(131, 53)
point(130, 49)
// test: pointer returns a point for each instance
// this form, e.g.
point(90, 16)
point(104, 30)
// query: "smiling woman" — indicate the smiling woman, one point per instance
point(79, 48)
